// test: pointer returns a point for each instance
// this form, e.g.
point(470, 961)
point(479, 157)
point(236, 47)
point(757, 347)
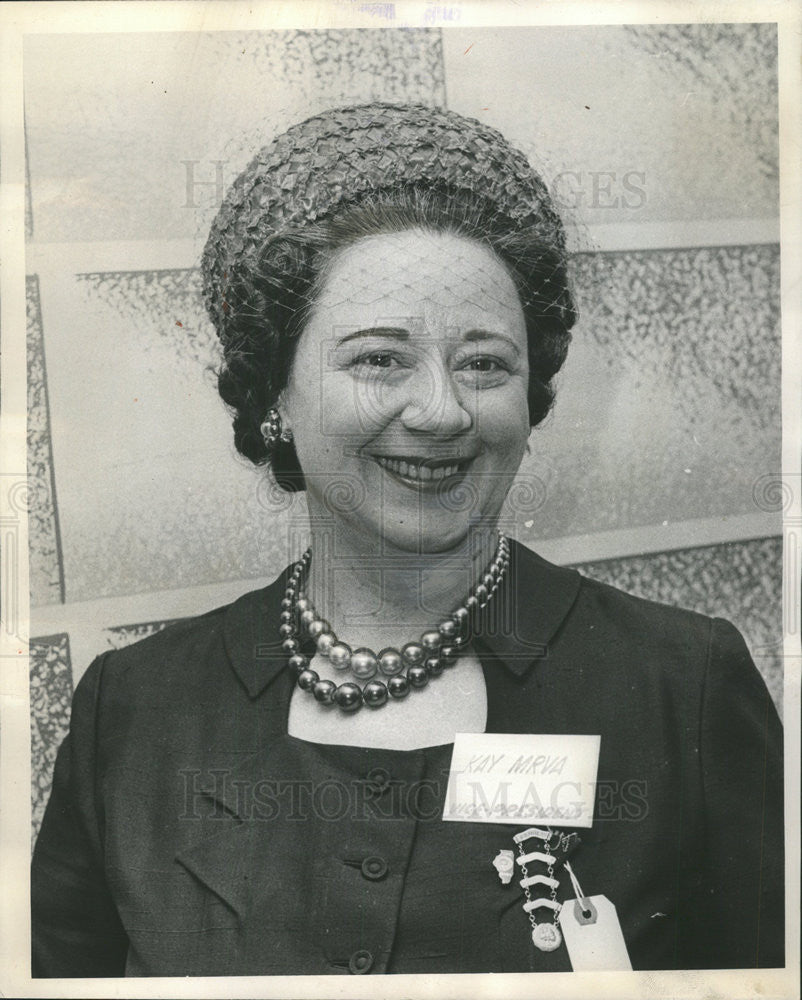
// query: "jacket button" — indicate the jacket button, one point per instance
point(360, 962)
point(374, 868)
point(378, 780)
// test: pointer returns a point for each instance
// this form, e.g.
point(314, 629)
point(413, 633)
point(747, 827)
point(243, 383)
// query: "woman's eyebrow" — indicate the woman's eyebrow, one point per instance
point(479, 334)
point(400, 333)
point(396, 332)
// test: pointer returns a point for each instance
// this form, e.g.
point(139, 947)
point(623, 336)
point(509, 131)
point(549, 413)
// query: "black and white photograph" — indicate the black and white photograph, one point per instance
point(401, 558)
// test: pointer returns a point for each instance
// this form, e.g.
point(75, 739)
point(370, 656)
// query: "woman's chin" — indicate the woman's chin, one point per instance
point(430, 537)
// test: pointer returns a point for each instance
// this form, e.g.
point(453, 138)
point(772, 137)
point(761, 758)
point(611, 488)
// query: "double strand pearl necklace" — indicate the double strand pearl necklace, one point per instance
point(406, 669)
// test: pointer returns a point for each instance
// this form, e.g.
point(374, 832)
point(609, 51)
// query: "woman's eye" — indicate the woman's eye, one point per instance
point(376, 359)
point(483, 364)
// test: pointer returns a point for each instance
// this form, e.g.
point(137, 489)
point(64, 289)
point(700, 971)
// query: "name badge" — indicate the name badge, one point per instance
point(521, 778)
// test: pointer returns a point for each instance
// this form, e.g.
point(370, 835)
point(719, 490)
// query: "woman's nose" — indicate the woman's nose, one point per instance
point(433, 403)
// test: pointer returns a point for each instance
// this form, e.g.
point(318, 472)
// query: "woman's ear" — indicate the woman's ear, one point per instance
point(286, 422)
point(286, 432)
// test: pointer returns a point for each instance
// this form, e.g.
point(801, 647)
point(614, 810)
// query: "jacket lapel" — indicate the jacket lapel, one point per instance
point(221, 863)
point(251, 636)
point(533, 601)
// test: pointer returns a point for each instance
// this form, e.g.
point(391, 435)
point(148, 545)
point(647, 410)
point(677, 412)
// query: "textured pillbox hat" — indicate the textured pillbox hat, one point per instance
point(347, 155)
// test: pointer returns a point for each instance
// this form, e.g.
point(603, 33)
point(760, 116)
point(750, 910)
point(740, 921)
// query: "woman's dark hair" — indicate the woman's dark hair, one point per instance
point(268, 303)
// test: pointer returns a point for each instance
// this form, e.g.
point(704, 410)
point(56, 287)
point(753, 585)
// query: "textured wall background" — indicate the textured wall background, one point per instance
point(669, 403)
point(51, 694)
point(46, 569)
point(111, 119)
point(692, 108)
point(668, 409)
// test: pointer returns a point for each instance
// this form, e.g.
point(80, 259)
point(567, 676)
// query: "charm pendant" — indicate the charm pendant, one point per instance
point(547, 937)
point(504, 863)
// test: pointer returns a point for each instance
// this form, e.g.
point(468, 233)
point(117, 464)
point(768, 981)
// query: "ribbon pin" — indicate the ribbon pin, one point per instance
point(533, 904)
point(552, 883)
point(533, 831)
point(547, 859)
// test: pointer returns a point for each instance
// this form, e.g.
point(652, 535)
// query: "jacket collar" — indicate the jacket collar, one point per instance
point(524, 616)
point(533, 601)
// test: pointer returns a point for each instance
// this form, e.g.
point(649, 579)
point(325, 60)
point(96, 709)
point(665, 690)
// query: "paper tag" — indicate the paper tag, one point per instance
point(522, 778)
point(594, 946)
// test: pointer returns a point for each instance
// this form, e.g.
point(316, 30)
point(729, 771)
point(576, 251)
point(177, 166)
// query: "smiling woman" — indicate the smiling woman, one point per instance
point(262, 789)
point(417, 416)
point(445, 392)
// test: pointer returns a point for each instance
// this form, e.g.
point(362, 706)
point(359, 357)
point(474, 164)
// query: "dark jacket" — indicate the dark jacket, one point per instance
point(177, 842)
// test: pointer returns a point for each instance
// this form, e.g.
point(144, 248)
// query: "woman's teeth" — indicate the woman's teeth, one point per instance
point(418, 471)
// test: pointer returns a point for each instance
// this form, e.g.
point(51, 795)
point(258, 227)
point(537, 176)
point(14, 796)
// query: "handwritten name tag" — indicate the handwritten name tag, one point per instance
point(521, 778)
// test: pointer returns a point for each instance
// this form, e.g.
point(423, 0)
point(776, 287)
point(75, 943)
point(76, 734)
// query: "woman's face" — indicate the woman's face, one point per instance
point(408, 393)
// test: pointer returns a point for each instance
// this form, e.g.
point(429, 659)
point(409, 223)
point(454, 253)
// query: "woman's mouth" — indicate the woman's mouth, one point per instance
point(421, 471)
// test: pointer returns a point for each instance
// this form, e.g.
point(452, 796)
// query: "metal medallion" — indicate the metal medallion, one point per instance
point(547, 937)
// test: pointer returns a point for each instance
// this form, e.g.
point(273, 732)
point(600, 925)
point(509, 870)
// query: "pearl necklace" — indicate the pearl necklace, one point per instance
point(406, 669)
